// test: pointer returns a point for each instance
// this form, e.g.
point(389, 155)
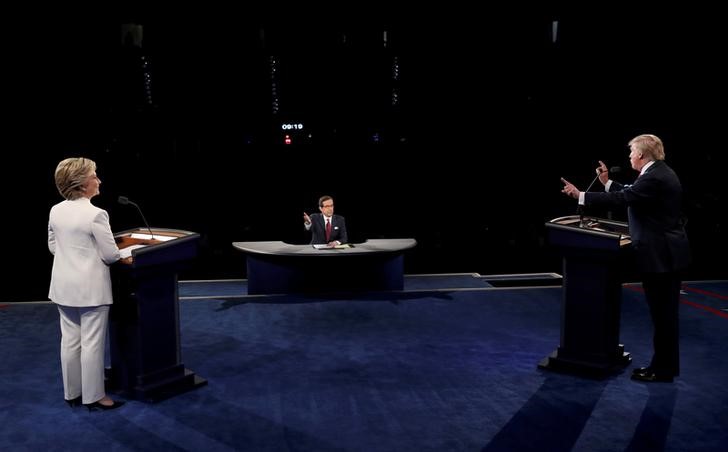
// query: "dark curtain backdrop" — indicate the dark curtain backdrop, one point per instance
point(455, 132)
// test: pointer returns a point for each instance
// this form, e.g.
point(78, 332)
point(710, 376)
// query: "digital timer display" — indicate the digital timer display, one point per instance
point(292, 126)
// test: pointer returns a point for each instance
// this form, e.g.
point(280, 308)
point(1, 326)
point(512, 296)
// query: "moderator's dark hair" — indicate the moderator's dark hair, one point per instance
point(323, 199)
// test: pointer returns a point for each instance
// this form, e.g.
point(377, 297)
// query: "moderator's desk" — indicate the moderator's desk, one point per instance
point(277, 267)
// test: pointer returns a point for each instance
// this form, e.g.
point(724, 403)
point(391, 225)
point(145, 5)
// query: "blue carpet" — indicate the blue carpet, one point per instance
point(237, 287)
point(443, 282)
point(213, 289)
point(434, 371)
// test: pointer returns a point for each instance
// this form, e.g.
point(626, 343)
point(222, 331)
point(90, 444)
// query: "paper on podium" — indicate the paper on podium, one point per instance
point(161, 238)
point(126, 252)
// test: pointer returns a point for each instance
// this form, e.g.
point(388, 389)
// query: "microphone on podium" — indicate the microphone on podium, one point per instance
point(614, 169)
point(580, 208)
point(123, 200)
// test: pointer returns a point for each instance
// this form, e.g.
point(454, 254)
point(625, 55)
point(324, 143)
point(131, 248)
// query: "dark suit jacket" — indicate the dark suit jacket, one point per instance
point(318, 229)
point(654, 215)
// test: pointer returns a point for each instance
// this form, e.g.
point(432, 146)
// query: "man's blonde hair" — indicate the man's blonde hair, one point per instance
point(649, 145)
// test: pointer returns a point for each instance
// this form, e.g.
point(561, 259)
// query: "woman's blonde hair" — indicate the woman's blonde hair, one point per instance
point(71, 175)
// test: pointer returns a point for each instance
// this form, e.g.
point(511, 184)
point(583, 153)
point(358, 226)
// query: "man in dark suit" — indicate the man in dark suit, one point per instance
point(659, 242)
point(325, 227)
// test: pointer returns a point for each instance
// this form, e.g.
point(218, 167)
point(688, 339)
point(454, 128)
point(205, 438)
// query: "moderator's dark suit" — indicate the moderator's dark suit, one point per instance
point(661, 251)
point(318, 229)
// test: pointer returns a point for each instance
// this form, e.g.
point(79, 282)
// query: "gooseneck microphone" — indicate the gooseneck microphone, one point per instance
point(123, 200)
point(580, 208)
point(614, 169)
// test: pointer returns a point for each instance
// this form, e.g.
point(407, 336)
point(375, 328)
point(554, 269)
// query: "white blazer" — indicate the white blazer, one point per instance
point(80, 238)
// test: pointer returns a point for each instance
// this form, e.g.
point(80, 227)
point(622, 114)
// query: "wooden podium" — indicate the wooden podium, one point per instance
point(146, 361)
point(593, 250)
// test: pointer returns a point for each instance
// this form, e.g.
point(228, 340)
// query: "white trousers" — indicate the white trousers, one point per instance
point(83, 341)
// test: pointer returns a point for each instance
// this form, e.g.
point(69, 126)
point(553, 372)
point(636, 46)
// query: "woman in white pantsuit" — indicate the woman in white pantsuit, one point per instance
point(83, 246)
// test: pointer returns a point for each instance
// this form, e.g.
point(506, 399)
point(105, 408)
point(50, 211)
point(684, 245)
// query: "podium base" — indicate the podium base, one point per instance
point(557, 362)
point(158, 390)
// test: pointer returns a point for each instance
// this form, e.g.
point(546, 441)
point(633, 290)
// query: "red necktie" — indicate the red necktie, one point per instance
point(328, 229)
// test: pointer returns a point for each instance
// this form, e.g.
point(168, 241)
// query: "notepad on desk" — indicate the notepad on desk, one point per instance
point(335, 247)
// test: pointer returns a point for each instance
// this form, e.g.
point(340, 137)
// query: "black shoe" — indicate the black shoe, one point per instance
point(641, 370)
point(74, 402)
point(651, 376)
point(96, 406)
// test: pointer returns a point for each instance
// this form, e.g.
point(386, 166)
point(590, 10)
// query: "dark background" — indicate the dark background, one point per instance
point(455, 133)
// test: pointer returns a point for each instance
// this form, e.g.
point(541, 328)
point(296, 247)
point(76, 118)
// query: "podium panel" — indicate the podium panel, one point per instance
point(146, 361)
point(593, 250)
